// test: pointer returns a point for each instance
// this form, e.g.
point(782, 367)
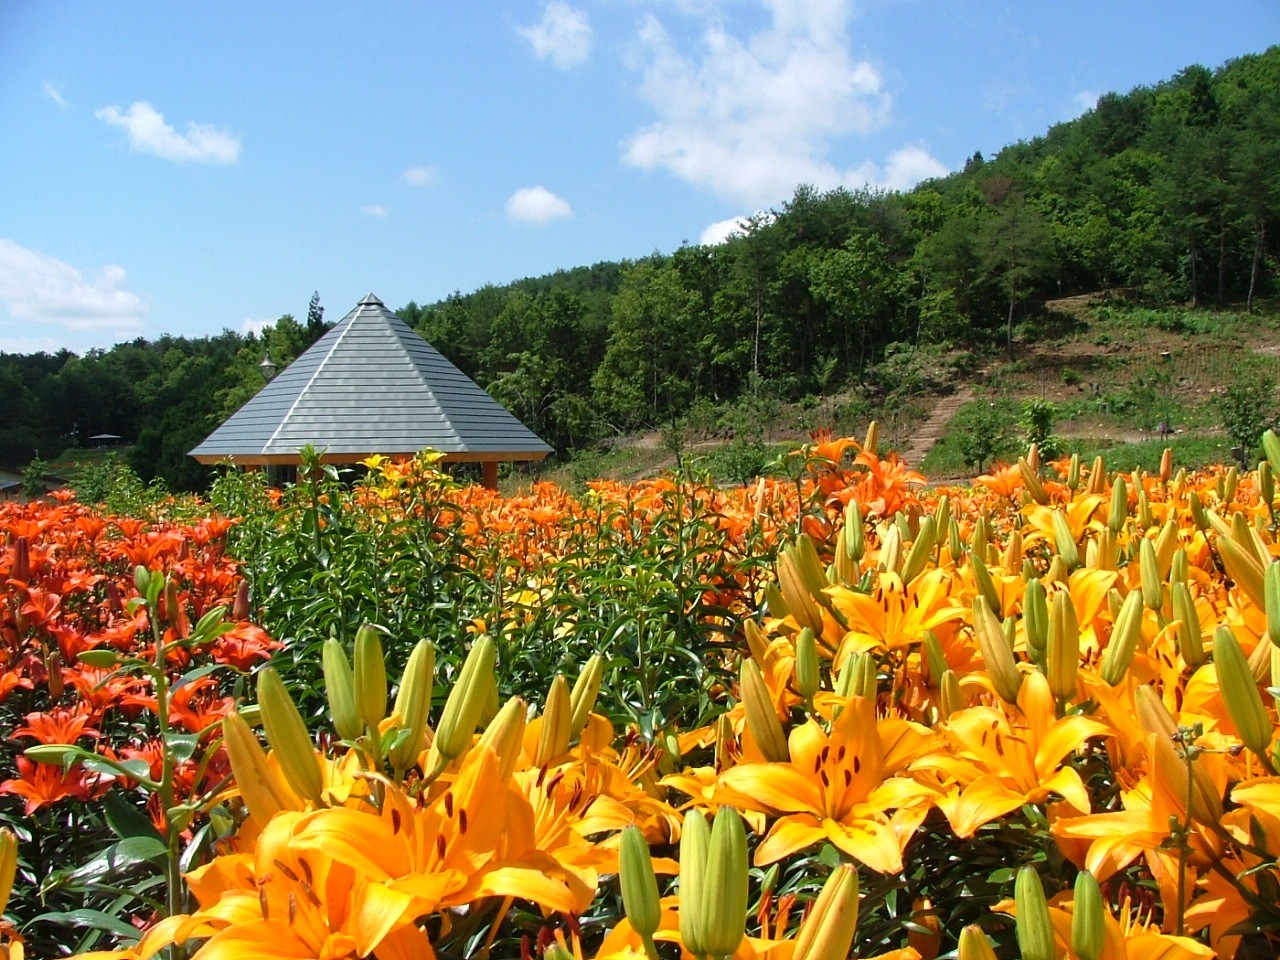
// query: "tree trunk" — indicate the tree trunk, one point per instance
point(1259, 241)
point(1013, 299)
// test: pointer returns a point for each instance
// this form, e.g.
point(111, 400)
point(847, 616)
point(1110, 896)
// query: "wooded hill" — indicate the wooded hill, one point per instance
point(1170, 193)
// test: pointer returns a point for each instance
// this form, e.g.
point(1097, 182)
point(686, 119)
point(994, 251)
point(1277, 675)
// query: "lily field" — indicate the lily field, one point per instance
point(836, 713)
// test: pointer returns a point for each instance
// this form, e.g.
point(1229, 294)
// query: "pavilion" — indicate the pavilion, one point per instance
point(372, 386)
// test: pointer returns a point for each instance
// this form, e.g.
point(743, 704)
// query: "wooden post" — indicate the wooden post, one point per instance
point(489, 474)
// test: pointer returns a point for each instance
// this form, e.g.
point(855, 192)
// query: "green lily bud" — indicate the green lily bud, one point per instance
point(762, 719)
point(370, 678)
point(287, 734)
point(1088, 918)
point(639, 884)
point(466, 700)
point(806, 666)
point(1033, 927)
point(413, 705)
point(723, 909)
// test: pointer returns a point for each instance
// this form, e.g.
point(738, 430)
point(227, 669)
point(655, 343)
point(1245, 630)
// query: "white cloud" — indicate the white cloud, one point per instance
point(537, 205)
point(420, 176)
point(563, 36)
point(148, 133)
point(751, 117)
point(903, 169)
point(721, 230)
point(54, 93)
point(249, 325)
point(375, 210)
point(35, 288)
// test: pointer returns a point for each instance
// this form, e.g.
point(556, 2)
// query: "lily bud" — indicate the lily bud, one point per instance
point(554, 739)
point(949, 696)
point(920, 552)
point(1198, 514)
point(1062, 651)
point(955, 543)
point(1119, 512)
point(639, 884)
point(466, 700)
point(1031, 479)
point(872, 441)
point(723, 909)
point(979, 538)
point(1271, 600)
point(1097, 476)
point(287, 734)
point(339, 688)
point(504, 735)
point(8, 865)
point(986, 586)
point(695, 841)
point(828, 930)
point(1124, 639)
point(1267, 483)
point(1190, 633)
point(260, 786)
point(1271, 447)
point(974, 944)
point(586, 690)
point(1088, 918)
point(855, 535)
point(762, 719)
point(1064, 541)
point(1152, 589)
point(807, 677)
point(1230, 484)
point(890, 556)
point(934, 658)
point(1012, 558)
point(1035, 618)
point(1166, 465)
point(1073, 473)
point(996, 654)
point(942, 514)
point(413, 705)
point(1240, 693)
point(1145, 519)
point(370, 678)
point(796, 593)
point(1179, 567)
point(1032, 925)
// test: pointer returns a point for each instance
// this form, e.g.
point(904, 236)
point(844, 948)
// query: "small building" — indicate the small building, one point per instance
point(369, 386)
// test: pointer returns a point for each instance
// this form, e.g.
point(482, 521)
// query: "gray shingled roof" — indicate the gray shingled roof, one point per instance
point(371, 385)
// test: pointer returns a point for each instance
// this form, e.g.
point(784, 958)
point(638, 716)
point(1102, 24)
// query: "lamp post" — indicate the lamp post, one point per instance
point(268, 368)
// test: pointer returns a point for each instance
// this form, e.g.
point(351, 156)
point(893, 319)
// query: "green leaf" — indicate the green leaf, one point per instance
point(118, 857)
point(92, 918)
point(192, 675)
point(126, 820)
point(136, 769)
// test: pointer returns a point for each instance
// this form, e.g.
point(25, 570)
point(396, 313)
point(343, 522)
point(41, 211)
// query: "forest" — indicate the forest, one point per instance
point(1168, 193)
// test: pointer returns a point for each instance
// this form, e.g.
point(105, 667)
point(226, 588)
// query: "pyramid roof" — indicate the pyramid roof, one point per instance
point(370, 385)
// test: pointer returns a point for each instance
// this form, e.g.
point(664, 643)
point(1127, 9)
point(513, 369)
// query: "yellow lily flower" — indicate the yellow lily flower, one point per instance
point(839, 787)
point(894, 616)
point(998, 767)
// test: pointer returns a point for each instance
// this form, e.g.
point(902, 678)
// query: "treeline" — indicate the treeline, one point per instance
point(1171, 192)
point(160, 397)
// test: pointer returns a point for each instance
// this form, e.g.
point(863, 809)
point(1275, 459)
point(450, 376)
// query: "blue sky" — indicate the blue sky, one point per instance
point(183, 168)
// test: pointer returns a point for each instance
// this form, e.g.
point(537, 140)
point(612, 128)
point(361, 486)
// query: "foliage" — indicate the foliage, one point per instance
point(1247, 406)
point(857, 700)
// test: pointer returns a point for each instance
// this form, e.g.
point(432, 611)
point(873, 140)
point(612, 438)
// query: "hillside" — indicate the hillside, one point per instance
point(1111, 371)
